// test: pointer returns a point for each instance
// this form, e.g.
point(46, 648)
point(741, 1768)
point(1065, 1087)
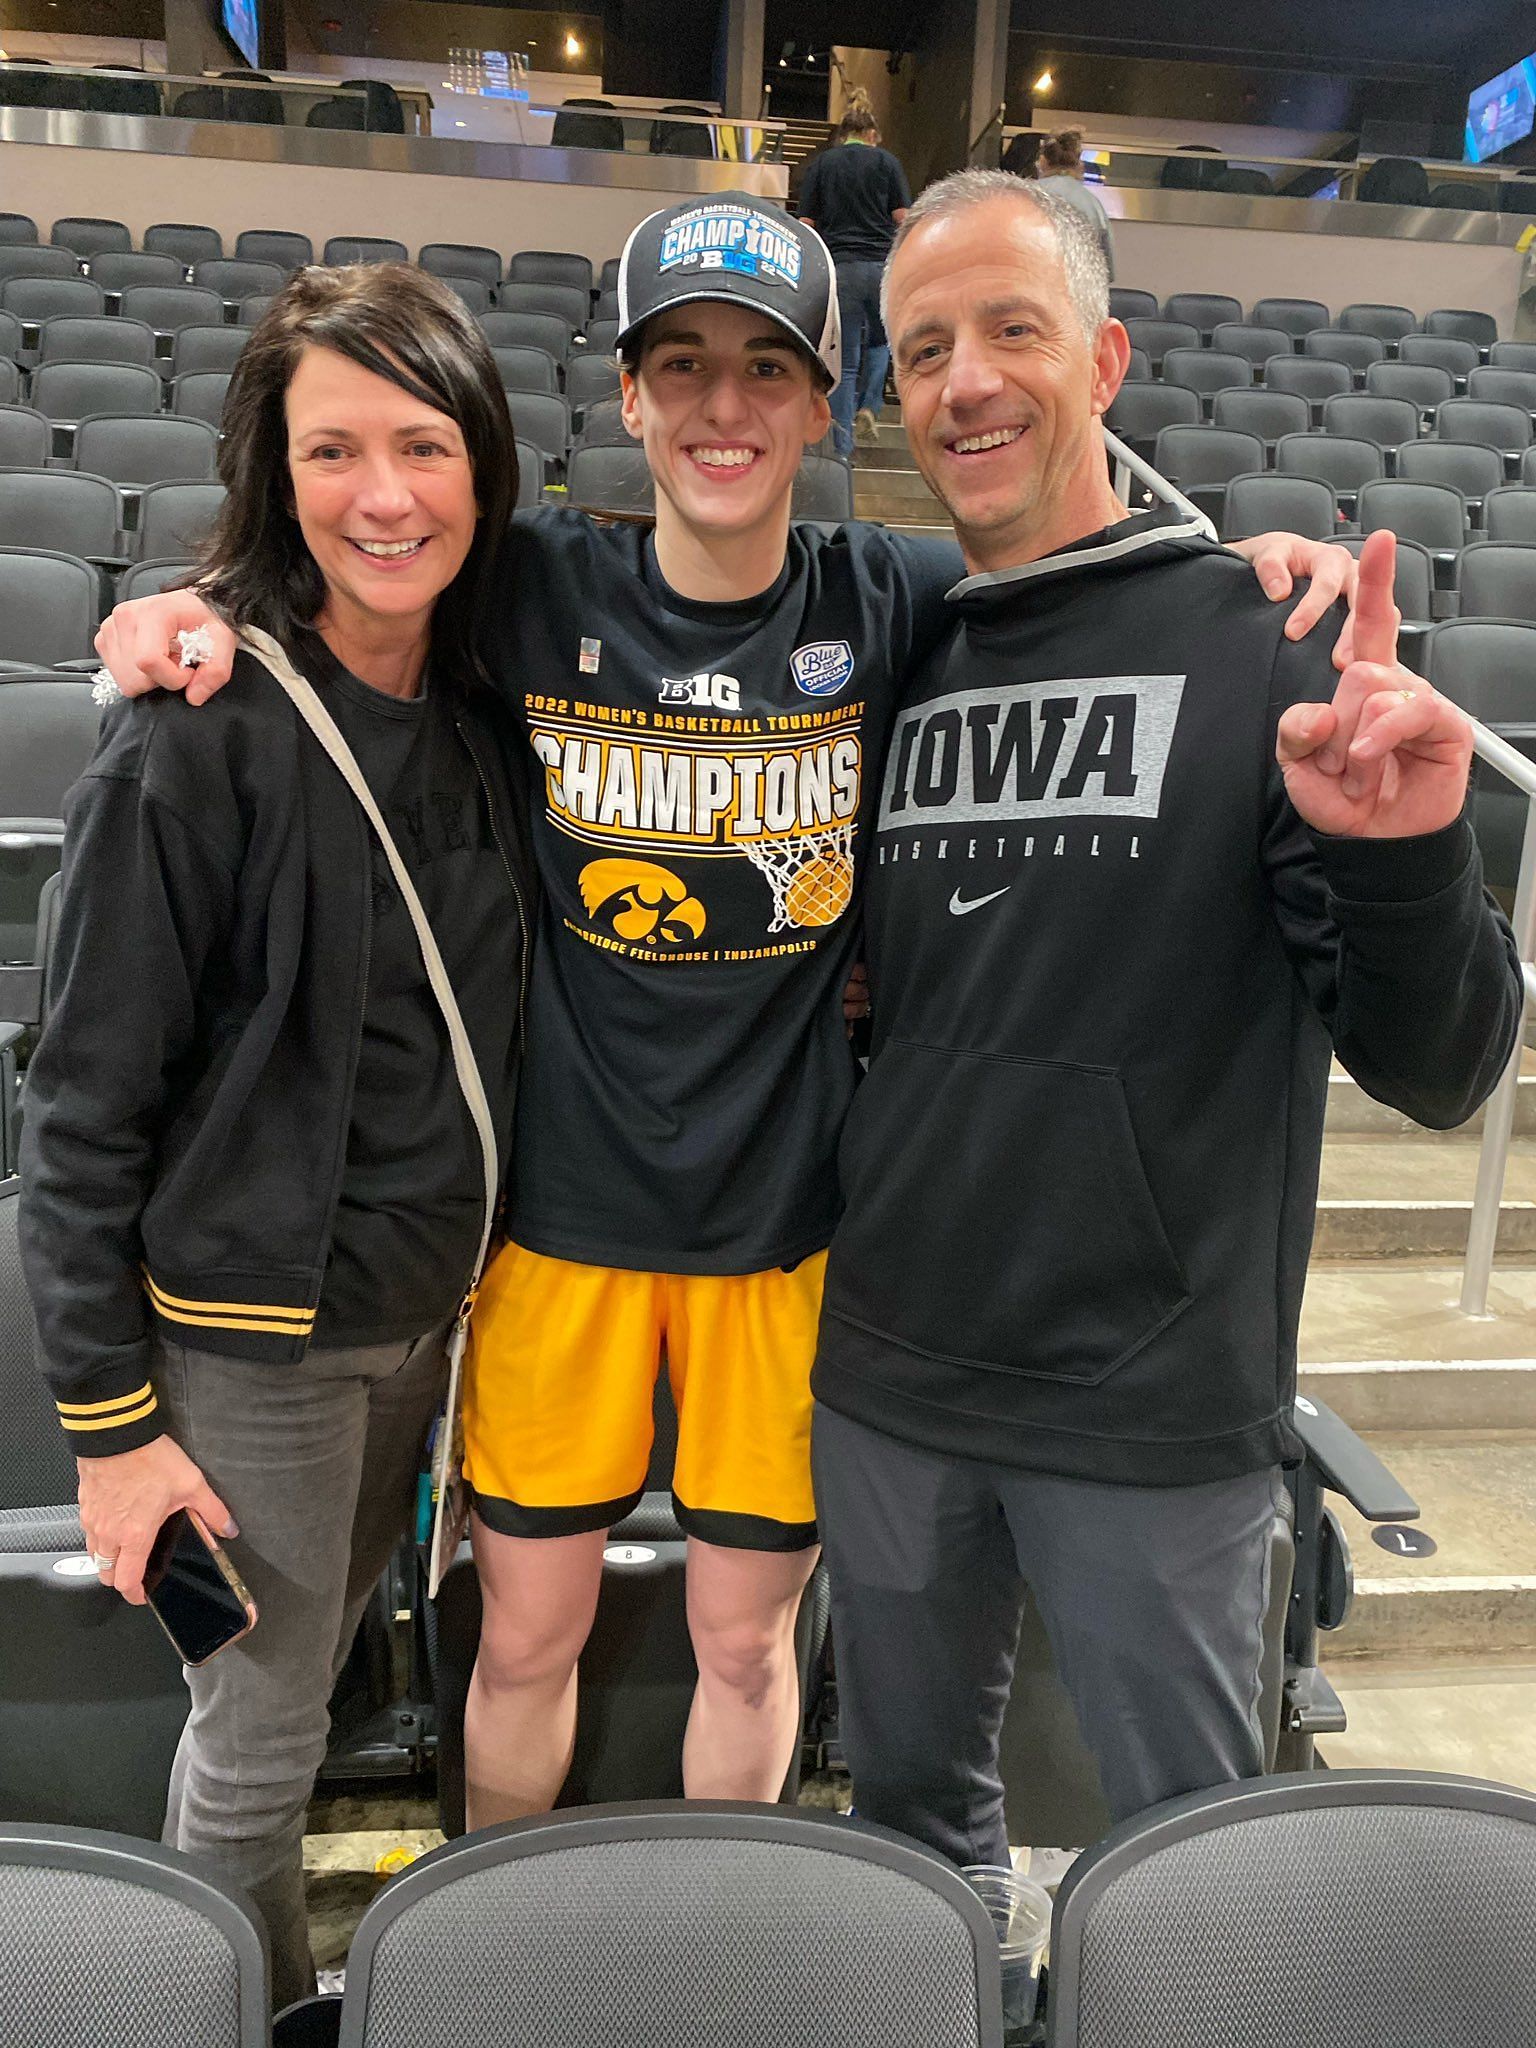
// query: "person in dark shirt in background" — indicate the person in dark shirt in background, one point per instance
point(855, 195)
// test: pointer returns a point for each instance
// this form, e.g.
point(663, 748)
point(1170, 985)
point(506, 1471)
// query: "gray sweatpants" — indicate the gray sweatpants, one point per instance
point(317, 1463)
point(1153, 1598)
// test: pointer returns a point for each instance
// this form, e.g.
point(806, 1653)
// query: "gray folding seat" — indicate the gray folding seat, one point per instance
point(199, 395)
point(603, 337)
point(254, 310)
point(69, 391)
point(1141, 411)
point(602, 426)
point(527, 330)
point(207, 348)
point(565, 302)
point(543, 421)
point(1387, 323)
point(148, 579)
point(1504, 387)
point(48, 607)
point(1444, 351)
point(17, 228)
point(1333, 345)
point(188, 244)
point(1509, 513)
point(343, 249)
point(552, 266)
point(1298, 317)
point(146, 451)
point(1310, 378)
point(174, 519)
point(1341, 463)
point(1413, 592)
point(1528, 466)
point(1266, 502)
point(106, 1939)
point(1204, 311)
point(1256, 345)
point(1422, 384)
point(66, 511)
point(527, 369)
point(1485, 666)
point(1125, 302)
point(610, 479)
point(823, 489)
point(1269, 414)
point(10, 381)
point(606, 306)
point(1504, 427)
point(289, 251)
point(1138, 368)
point(1156, 337)
point(1498, 581)
point(1473, 469)
point(1465, 197)
point(85, 236)
point(590, 379)
point(26, 436)
point(167, 307)
point(1202, 461)
point(236, 277)
point(474, 291)
point(608, 278)
point(461, 259)
point(95, 338)
point(36, 299)
point(1389, 422)
point(10, 336)
point(26, 259)
point(117, 271)
point(1433, 515)
point(1513, 355)
point(1205, 371)
point(530, 475)
point(1480, 329)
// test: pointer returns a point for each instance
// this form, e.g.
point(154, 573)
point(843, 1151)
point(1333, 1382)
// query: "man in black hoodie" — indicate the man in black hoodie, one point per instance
point(1141, 862)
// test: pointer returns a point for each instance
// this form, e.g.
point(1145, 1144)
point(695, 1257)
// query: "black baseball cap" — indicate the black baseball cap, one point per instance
point(740, 250)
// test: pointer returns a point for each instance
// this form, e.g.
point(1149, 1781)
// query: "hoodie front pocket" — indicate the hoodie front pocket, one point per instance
point(998, 1215)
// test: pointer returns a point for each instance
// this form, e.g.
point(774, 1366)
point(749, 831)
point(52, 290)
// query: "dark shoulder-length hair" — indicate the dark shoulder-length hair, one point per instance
point(407, 327)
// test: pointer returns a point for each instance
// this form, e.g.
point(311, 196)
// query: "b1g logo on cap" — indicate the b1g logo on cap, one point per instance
point(732, 238)
point(822, 668)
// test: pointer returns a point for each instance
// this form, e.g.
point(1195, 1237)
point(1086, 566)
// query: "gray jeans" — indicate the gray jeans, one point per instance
point(1153, 1598)
point(317, 1463)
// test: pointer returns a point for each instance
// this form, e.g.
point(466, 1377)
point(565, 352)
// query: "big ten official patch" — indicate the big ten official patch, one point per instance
point(728, 236)
point(822, 668)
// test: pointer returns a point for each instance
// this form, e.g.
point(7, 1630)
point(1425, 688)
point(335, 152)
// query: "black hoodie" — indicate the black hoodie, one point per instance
point(1107, 960)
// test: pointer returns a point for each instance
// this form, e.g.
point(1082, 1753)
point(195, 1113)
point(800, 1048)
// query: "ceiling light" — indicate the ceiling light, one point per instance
point(1044, 82)
point(572, 46)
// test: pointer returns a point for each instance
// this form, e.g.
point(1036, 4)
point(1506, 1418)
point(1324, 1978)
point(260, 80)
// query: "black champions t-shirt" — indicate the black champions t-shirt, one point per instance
point(706, 777)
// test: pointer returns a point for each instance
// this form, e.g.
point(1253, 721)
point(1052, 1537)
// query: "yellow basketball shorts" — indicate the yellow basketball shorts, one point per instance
point(560, 1378)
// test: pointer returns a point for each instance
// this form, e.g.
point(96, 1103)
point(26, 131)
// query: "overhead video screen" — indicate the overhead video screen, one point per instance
point(1502, 111)
point(242, 24)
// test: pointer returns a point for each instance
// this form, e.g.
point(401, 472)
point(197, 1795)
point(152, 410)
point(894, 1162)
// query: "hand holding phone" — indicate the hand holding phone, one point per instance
point(196, 1594)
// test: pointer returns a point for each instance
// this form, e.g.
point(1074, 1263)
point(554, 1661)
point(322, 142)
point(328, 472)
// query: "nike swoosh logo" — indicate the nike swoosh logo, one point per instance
point(958, 907)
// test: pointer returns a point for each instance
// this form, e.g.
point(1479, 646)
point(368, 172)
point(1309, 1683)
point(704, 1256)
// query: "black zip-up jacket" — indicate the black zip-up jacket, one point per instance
point(186, 1134)
point(1107, 959)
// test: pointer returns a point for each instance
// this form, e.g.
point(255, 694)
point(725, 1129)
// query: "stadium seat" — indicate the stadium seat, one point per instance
point(1265, 502)
point(1513, 355)
point(188, 244)
point(552, 266)
point(1498, 581)
point(1156, 337)
point(1256, 345)
point(1394, 181)
point(530, 475)
point(343, 249)
point(207, 348)
point(823, 489)
point(199, 395)
point(25, 259)
point(603, 337)
point(527, 369)
point(116, 271)
point(1202, 461)
point(167, 307)
point(343, 110)
point(608, 277)
point(1433, 515)
point(236, 277)
point(590, 379)
point(1528, 466)
point(289, 251)
point(1312, 379)
point(95, 338)
point(1141, 411)
point(1138, 367)
point(35, 299)
point(146, 451)
point(10, 337)
point(606, 306)
point(26, 437)
point(17, 228)
point(1203, 311)
point(1295, 317)
point(602, 426)
point(1387, 323)
point(64, 510)
point(85, 236)
point(1333, 345)
point(1269, 414)
point(1196, 167)
point(174, 519)
point(565, 302)
point(1465, 197)
point(543, 421)
point(149, 578)
point(1444, 351)
point(1125, 302)
point(254, 310)
point(610, 478)
point(1343, 464)
point(1413, 592)
point(1207, 372)
point(48, 607)
point(1250, 1864)
point(1486, 666)
point(474, 291)
point(68, 391)
point(1474, 470)
point(10, 381)
point(1244, 179)
point(527, 330)
point(1422, 384)
point(682, 138)
point(461, 259)
point(1506, 428)
point(1509, 513)
point(1455, 322)
point(1360, 417)
point(1504, 387)
point(48, 728)
point(587, 130)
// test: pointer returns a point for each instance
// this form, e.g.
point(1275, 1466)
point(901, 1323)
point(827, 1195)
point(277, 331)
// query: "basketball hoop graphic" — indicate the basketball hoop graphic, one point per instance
point(810, 874)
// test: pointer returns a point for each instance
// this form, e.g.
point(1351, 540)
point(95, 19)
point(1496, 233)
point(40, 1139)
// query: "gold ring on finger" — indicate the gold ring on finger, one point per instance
point(1408, 695)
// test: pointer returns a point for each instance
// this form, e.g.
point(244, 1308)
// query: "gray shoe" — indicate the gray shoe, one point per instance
point(865, 428)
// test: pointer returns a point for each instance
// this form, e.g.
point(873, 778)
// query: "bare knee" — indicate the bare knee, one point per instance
point(521, 1650)
point(746, 1657)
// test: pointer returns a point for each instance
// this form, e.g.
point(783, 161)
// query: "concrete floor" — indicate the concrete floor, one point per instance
point(1408, 1310)
point(1480, 1723)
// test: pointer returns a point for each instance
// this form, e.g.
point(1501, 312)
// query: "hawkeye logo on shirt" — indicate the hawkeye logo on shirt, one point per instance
point(641, 901)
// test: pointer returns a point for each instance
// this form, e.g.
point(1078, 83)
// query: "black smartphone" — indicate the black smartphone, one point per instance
point(197, 1595)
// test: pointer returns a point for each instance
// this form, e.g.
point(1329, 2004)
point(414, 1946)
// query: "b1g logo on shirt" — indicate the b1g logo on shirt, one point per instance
point(711, 693)
point(822, 668)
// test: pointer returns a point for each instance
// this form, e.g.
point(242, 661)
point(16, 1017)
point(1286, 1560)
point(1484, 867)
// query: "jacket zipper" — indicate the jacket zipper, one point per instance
point(522, 908)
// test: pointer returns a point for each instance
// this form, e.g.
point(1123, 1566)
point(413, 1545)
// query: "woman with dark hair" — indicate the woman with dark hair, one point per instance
point(254, 1193)
point(1060, 170)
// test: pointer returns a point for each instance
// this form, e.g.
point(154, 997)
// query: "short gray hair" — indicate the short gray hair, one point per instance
point(1082, 253)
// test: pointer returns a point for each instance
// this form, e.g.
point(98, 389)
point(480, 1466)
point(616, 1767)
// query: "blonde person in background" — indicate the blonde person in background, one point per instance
point(1059, 169)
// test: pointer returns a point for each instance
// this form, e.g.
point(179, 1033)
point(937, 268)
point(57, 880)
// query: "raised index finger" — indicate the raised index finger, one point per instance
point(1375, 608)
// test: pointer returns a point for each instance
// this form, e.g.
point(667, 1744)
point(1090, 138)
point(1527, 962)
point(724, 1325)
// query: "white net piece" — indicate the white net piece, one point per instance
point(810, 874)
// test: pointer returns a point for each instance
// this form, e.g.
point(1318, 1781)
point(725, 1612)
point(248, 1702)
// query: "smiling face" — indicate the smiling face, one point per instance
point(726, 404)
point(1001, 391)
point(383, 492)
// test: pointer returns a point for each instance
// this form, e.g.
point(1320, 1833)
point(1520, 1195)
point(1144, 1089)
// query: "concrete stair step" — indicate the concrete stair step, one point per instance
point(1405, 1309)
point(1421, 1395)
point(884, 456)
point(1476, 1491)
point(1405, 1197)
point(895, 482)
point(1477, 1718)
point(924, 515)
point(1353, 1113)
